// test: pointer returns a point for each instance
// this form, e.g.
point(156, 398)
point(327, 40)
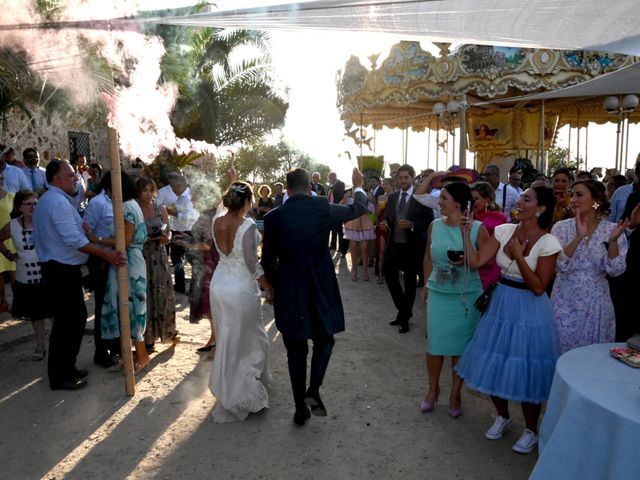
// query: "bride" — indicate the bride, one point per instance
point(240, 371)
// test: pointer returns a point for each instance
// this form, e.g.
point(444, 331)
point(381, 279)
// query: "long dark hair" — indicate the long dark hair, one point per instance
point(461, 193)
point(546, 198)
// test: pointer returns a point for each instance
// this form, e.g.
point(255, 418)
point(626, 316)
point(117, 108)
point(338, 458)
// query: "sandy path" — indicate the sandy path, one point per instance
point(372, 391)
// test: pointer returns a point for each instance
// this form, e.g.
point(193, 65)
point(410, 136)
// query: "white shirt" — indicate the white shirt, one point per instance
point(286, 195)
point(187, 214)
point(511, 199)
point(430, 200)
point(14, 179)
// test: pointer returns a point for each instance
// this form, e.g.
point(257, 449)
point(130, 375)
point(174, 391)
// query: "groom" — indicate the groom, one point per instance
point(297, 262)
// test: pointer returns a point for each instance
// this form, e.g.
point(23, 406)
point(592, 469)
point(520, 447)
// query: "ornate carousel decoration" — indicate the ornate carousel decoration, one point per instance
point(479, 90)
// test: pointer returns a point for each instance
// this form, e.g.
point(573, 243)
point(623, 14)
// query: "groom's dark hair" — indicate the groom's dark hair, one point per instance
point(298, 180)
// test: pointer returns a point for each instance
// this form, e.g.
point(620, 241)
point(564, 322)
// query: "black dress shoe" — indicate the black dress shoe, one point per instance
point(404, 329)
point(301, 416)
point(206, 348)
point(395, 322)
point(78, 374)
point(69, 385)
point(316, 405)
point(104, 361)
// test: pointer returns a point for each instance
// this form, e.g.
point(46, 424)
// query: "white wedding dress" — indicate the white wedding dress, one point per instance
point(240, 370)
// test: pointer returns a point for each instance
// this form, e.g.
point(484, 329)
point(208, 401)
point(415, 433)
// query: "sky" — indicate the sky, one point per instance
point(307, 63)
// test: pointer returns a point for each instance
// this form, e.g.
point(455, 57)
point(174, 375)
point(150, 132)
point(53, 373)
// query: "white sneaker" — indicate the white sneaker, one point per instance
point(527, 442)
point(500, 425)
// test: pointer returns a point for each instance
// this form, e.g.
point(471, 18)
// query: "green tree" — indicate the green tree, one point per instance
point(267, 163)
point(558, 157)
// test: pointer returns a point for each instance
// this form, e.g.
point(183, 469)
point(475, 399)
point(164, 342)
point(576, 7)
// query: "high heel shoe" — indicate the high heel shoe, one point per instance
point(427, 407)
point(455, 412)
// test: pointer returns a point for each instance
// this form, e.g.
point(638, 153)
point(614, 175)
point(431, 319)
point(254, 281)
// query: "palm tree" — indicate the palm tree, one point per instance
point(221, 101)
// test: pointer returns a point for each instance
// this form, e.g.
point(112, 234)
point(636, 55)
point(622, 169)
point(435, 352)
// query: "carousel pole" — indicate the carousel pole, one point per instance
point(428, 142)
point(622, 137)
point(618, 145)
point(586, 146)
point(626, 148)
point(123, 278)
point(438, 144)
point(463, 132)
point(539, 162)
point(578, 141)
point(543, 159)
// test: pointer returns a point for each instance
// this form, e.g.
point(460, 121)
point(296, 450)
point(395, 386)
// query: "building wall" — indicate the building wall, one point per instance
point(50, 136)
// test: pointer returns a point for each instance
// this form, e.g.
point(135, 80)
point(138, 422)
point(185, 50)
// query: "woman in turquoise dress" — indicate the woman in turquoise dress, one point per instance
point(452, 289)
point(135, 233)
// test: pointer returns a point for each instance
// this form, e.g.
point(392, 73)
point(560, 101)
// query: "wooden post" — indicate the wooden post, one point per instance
point(123, 277)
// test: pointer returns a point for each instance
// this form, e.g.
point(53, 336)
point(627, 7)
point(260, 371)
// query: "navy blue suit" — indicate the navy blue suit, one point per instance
point(297, 262)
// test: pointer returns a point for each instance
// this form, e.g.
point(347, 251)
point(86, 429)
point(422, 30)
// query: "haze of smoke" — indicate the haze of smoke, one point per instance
point(138, 107)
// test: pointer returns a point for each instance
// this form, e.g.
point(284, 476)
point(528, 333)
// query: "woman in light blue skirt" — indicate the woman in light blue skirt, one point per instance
point(513, 352)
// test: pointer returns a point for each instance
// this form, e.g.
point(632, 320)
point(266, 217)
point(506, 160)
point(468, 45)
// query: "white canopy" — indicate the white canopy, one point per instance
point(558, 24)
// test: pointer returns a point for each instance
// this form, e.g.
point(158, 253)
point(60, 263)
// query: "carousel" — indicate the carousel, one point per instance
point(489, 100)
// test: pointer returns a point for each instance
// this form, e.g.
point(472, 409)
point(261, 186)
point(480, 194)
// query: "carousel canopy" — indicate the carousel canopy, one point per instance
point(555, 24)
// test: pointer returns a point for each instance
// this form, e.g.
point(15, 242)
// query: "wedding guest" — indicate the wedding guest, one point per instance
point(34, 173)
point(135, 234)
point(513, 352)
point(6, 265)
point(279, 194)
point(592, 249)
point(619, 198)
point(451, 290)
point(14, 178)
point(63, 248)
point(625, 287)
point(406, 220)
point(506, 195)
point(29, 297)
point(161, 304)
point(560, 181)
point(488, 212)
point(265, 202)
point(359, 232)
point(203, 257)
point(382, 235)
point(99, 217)
point(93, 182)
point(240, 369)
point(614, 183)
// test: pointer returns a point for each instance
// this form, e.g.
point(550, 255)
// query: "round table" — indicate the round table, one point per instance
point(591, 428)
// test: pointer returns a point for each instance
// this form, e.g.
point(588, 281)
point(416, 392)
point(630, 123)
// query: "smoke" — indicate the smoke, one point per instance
point(138, 107)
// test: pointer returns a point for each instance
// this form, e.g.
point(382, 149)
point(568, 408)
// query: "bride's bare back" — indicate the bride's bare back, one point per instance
point(224, 231)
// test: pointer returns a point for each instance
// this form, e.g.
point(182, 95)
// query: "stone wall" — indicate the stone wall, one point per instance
point(50, 136)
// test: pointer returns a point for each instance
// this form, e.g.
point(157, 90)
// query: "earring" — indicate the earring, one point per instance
point(595, 205)
point(537, 214)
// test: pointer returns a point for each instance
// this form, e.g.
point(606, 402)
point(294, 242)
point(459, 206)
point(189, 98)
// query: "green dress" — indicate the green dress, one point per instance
point(137, 270)
point(451, 316)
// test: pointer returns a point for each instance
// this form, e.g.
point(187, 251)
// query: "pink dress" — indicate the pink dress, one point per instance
point(490, 219)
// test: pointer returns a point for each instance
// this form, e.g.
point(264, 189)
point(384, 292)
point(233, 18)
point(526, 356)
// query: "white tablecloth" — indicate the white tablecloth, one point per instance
point(591, 428)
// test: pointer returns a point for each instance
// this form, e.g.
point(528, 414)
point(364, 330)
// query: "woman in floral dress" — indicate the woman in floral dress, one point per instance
point(135, 234)
point(592, 248)
point(161, 305)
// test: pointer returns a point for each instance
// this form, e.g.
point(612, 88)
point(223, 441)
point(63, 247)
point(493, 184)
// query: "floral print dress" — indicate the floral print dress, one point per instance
point(580, 298)
point(137, 270)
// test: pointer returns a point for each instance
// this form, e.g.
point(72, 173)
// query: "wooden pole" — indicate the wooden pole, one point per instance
point(123, 277)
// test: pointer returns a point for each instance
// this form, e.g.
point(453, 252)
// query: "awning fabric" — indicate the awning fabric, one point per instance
point(558, 24)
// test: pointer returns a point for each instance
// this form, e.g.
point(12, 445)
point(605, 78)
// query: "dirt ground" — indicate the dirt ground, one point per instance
point(372, 390)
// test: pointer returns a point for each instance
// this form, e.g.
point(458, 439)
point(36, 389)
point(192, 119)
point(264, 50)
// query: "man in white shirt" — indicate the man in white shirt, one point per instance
point(515, 181)
point(182, 215)
point(506, 196)
point(34, 173)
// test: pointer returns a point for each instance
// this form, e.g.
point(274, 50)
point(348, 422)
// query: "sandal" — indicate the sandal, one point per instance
point(38, 354)
point(138, 368)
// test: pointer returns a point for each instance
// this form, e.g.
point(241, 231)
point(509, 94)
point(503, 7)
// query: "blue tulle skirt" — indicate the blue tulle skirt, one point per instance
point(514, 350)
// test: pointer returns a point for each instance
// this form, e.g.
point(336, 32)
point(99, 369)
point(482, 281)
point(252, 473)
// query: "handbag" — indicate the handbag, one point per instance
point(482, 302)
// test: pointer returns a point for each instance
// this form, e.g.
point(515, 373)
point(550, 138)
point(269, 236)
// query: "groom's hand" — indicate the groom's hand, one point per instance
point(357, 178)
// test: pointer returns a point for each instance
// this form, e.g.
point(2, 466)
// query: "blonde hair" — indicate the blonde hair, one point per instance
point(485, 190)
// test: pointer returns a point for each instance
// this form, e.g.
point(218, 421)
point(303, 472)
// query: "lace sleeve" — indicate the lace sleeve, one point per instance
point(250, 242)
